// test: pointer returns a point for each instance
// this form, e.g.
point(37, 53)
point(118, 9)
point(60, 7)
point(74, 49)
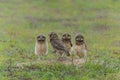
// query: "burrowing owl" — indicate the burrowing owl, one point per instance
point(57, 44)
point(80, 47)
point(41, 46)
point(66, 39)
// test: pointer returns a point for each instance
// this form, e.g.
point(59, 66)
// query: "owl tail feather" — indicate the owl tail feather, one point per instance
point(67, 52)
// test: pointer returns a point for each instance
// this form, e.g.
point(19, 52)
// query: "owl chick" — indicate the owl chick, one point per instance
point(80, 47)
point(57, 44)
point(41, 46)
point(66, 39)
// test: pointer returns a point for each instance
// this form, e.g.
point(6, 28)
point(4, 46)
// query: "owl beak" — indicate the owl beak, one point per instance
point(39, 39)
point(69, 37)
point(63, 38)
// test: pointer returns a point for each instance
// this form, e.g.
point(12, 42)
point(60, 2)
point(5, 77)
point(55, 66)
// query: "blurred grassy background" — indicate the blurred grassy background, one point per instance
point(22, 20)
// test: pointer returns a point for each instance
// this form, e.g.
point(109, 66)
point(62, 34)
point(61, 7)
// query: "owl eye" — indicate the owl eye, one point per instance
point(43, 36)
point(50, 35)
point(81, 39)
point(69, 36)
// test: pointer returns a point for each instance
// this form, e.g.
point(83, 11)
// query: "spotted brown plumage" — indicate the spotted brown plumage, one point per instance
point(66, 39)
point(57, 44)
point(80, 46)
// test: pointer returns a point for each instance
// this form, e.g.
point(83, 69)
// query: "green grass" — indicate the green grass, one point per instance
point(22, 20)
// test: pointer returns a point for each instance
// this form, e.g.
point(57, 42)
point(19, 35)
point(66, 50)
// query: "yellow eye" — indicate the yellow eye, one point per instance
point(81, 39)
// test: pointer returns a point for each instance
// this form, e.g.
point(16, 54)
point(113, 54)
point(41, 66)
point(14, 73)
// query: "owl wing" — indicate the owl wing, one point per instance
point(58, 45)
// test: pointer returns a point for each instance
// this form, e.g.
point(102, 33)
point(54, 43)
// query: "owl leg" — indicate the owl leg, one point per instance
point(83, 59)
point(61, 58)
point(72, 59)
point(57, 55)
point(62, 55)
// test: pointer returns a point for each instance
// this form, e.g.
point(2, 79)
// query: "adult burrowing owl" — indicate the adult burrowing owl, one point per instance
point(41, 46)
point(66, 39)
point(80, 47)
point(57, 44)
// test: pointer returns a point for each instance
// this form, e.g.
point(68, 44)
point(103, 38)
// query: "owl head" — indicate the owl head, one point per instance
point(41, 38)
point(53, 35)
point(79, 38)
point(66, 36)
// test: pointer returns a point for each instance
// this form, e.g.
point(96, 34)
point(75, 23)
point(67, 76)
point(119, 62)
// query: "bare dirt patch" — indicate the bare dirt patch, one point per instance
point(67, 61)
